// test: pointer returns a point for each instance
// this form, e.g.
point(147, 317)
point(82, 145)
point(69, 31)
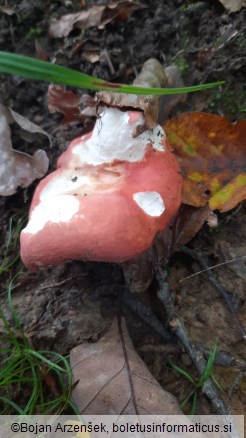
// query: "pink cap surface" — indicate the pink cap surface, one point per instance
point(103, 211)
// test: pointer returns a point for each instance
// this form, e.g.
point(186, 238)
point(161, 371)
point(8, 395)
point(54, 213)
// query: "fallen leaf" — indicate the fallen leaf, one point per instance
point(71, 105)
point(90, 56)
point(232, 251)
point(212, 156)
point(167, 103)
point(233, 5)
point(8, 10)
point(65, 102)
point(17, 168)
point(96, 16)
point(139, 272)
point(156, 108)
point(151, 75)
point(114, 380)
point(26, 124)
point(40, 51)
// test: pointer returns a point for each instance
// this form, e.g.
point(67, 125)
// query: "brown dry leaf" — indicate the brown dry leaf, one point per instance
point(114, 380)
point(156, 109)
point(233, 5)
point(139, 271)
point(96, 16)
point(71, 105)
point(181, 230)
point(167, 103)
point(26, 124)
point(212, 156)
point(8, 10)
point(17, 168)
point(40, 51)
point(90, 56)
point(151, 75)
point(65, 102)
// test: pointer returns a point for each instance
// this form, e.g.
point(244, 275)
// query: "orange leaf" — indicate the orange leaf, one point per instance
point(212, 156)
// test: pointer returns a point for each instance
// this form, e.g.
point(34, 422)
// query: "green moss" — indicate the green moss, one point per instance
point(34, 32)
point(182, 64)
point(231, 102)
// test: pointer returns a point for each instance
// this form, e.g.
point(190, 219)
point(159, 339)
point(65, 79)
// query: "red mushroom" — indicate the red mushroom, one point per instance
point(110, 195)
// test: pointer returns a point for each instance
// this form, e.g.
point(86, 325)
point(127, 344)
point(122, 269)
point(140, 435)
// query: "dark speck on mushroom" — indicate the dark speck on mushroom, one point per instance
point(74, 178)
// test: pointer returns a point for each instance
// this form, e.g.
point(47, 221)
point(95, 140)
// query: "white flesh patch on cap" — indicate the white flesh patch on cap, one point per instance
point(150, 202)
point(57, 209)
point(80, 182)
point(69, 182)
point(112, 139)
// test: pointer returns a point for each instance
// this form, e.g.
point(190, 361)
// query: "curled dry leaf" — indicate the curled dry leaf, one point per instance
point(96, 16)
point(139, 271)
point(167, 103)
point(26, 124)
point(17, 168)
point(112, 379)
point(8, 10)
point(76, 107)
point(233, 5)
point(65, 102)
point(71, 105)
point(156, 109)
point(151, 75)
point(212, 156)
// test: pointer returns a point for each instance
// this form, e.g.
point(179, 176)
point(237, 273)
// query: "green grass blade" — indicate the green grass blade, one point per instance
point(12, 309)
point(184, 373)
point(194, 403)
point(45, 71)
point(6, 324)
point(207, 373)
point(44, 359)
point(31, 404)
point(12, 404)
point(74, 408)
point(186, 399)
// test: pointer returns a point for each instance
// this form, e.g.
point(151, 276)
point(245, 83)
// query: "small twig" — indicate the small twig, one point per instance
point(129, 373)
point(222, 359)
point(237, 380)
point(209, 268)
point(57, 284)
point(146, 314)
point(196, 356)
point(198, 257)
point(106, 56)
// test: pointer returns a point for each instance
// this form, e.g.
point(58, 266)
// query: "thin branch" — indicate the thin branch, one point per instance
point(209, 268)
point(179, 330)
point(200, 259)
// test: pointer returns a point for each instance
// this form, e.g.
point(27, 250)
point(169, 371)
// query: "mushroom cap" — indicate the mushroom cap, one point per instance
point(101, 210)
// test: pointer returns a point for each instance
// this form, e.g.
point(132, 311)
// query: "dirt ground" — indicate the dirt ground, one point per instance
point(63, 306)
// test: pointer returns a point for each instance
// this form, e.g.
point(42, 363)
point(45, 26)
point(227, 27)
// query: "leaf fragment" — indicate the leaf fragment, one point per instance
point(71, 105)
point(212, 156)
point(114, 380)
point(139, 272)
point(233, 5)
point(96, 16)
point(26, 124)
point(151, 76)
point(17, 168)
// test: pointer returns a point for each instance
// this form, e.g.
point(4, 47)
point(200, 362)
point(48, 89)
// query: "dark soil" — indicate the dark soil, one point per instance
point(64, 306)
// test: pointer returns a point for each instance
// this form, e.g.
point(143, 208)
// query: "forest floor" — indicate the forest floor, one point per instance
point(64, 306)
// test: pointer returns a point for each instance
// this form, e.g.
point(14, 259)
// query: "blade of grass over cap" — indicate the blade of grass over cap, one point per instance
point(35, 69)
